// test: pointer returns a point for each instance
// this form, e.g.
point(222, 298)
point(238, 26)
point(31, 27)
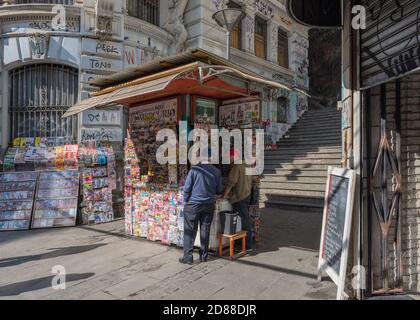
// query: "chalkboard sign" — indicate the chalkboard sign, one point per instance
point(335, 237)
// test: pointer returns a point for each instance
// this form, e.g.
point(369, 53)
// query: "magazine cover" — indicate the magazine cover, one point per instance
point(56, 214)
point(16, 205)
point(8, 186)
point(14, 225)
point(16, 195)
point(56, 204)
point(15, 215)
point(57, 193)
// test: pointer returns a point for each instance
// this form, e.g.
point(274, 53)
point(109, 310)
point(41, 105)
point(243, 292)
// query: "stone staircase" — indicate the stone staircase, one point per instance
point(295, 175)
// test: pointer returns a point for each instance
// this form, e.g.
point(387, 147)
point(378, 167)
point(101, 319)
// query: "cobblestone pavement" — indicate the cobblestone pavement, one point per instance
point(102, 263)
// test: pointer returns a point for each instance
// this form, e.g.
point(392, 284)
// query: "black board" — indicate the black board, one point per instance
point(335, 222)
point(336, 226)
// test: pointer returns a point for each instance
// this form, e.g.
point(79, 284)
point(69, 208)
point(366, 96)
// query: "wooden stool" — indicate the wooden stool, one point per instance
point(232, 239)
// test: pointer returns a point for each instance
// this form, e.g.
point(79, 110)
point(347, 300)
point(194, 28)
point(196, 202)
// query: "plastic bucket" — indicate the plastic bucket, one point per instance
point(230, 222)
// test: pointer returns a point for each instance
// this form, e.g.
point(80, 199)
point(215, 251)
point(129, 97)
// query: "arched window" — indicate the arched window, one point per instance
point(39, 96)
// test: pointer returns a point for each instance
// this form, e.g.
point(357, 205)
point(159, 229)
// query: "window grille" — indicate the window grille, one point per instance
point(147, 10)
point(39, 96)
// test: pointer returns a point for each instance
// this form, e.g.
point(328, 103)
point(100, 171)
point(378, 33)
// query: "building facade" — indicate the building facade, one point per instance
point(267, 42)
point(51, 50)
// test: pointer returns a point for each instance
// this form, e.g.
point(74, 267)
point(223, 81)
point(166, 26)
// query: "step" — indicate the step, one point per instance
point(325, 115)
point(286, 186)
point(308, 172)
point(300, 193)
point(301, 203)
point(321, 114)
point(281, 162)
point(291, 199)
point(301, 126)
point(294, 179)
point(303, 150)
point(309, 155)
point(312, 136)
point(327, 130)
point(321, 141)
point(298, 166)
point(318, 122)
point(308, 144)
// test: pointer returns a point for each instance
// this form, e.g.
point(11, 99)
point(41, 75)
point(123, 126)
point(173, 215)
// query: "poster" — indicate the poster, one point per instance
point(101, 117)
point(156, 113)
point(240, 113)
point(205, 111)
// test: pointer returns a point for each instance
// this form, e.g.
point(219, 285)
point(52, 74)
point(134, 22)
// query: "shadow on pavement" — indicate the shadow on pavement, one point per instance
point(289, 229)
point(18, 288)
point(279, 269)
point(55, 252)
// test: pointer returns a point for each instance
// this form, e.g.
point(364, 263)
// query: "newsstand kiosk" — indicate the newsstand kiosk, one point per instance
point(205, 91)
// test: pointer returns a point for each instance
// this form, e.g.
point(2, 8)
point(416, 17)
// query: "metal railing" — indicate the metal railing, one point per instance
point(147, 10)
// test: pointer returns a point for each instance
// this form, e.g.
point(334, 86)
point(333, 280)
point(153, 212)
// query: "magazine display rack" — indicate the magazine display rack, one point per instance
point(17, 190)
point(57, 199)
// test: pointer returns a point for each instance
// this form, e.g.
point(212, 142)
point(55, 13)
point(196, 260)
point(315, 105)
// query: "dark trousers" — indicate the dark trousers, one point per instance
point(193, 215)
point(242, 207)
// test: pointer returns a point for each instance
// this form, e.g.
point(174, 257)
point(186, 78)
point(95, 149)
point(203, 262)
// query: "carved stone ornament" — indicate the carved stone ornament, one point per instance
point(39, 44)
point(104, 27)
point(104, 16)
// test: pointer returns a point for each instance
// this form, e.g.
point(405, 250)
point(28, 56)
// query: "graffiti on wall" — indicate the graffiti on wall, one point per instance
point(101, 134)
point(394, 49)
point(301, 105)
point(47, 25)
point(300, 61)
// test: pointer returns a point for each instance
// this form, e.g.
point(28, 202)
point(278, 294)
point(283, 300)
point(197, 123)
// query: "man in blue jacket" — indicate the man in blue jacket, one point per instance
point(203, 183)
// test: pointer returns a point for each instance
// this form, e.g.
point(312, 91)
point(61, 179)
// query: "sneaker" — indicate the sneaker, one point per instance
point(250, 252)
point(185, 261)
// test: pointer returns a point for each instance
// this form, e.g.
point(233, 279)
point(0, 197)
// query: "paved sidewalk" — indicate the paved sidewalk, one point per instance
point(102, 263)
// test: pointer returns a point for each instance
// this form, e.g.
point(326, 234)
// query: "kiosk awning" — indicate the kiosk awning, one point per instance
point(224, 81)
point(119, 95)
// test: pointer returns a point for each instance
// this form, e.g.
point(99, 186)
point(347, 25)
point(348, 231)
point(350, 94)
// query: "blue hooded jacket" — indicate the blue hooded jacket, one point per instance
point(203, 182)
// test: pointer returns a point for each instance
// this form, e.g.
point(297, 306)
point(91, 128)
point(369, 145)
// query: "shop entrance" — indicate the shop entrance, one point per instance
point(391, 138)
point(39, 95)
